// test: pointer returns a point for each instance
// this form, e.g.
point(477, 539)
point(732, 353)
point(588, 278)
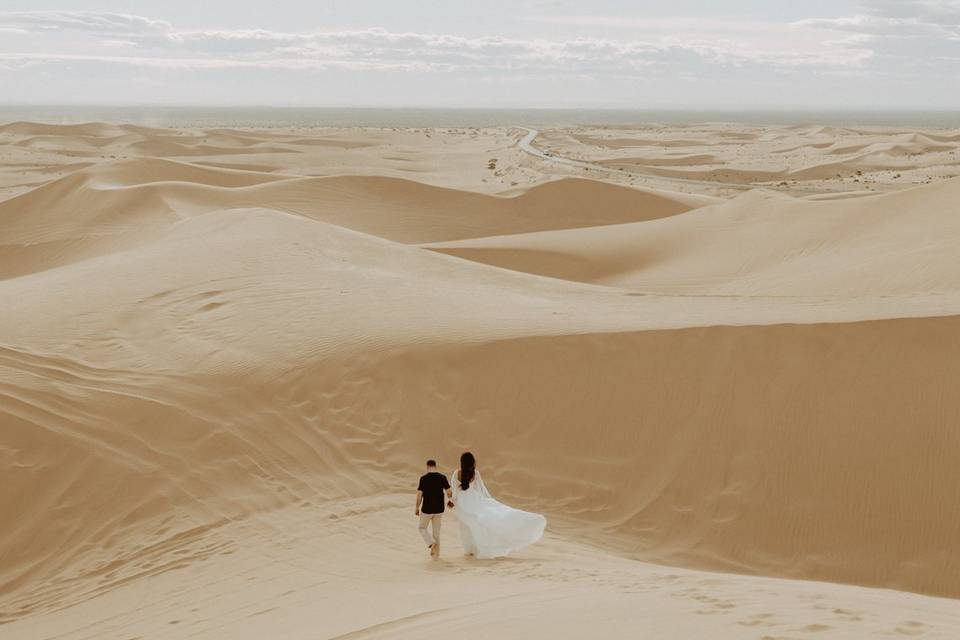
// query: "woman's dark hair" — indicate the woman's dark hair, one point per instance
point(468, 467)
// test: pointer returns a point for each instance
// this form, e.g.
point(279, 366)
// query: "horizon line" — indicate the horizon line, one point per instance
point(684, 108)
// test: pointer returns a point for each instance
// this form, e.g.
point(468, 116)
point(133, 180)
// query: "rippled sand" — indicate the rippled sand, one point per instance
point(225, 355)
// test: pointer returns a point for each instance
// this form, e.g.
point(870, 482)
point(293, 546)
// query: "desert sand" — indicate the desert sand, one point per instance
point(720, 359)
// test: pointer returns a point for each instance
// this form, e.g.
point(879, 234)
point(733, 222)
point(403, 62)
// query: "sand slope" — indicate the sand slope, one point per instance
point(215, 385)
point(343, 569)
point(117, 205)
point(761, 243)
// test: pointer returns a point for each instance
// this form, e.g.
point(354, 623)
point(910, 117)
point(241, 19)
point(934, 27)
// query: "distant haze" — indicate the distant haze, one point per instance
point(688, 54)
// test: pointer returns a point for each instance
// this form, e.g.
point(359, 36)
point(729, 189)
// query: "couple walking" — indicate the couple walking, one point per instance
point(488, 529)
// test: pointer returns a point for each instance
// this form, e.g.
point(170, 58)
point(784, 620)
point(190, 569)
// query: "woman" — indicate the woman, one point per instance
point(489, 528)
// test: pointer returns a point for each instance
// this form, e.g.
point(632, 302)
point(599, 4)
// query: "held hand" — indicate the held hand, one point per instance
point(416, 512)
point(450, 503)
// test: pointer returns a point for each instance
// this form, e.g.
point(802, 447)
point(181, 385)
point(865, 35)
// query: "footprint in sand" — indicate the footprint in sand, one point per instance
point(911, 628)
point(848, 615)
point(716, 606)
point(758, 620)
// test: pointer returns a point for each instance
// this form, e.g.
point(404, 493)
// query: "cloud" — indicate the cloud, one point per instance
point(899, 18)
point(942, 12)
point(879, 26)
point(904, 35)
point(32, 59)
point(159, 43)
point(883, 36)
point(93, 22)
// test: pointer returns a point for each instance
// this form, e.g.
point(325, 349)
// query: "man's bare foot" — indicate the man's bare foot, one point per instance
point(430, 549)
point(435, 550)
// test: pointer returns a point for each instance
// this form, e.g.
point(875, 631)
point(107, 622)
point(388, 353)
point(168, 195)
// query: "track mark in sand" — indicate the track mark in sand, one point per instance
point(385, 627)
point(716, 606)
point(711, 605)
point(428, 620)
point(159, 297)
point(841, 614)
point(816, 628)
point(172, 553)
point(758, 620)
point(208, 294)
point(848, 615)
point(911, 628)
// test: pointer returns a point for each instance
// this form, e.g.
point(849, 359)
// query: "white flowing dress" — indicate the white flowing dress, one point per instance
point(488, 528)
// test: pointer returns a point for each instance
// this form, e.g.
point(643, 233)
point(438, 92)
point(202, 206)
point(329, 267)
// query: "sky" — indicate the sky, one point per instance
point(706, 54)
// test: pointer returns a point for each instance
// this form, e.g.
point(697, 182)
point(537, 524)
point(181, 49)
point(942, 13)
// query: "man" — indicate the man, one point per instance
point(430, 505)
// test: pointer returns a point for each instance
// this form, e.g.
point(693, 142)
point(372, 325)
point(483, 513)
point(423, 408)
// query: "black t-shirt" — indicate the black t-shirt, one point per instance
point(433, 485)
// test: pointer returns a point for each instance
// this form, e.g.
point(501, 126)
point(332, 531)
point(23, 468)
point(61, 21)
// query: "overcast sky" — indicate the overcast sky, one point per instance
point(486, 53)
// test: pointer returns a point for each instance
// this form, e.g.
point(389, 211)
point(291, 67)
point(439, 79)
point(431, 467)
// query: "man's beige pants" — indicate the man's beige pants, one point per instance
point(432, 519)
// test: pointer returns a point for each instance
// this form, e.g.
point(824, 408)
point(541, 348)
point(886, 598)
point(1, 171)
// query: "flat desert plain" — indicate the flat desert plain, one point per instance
point(721, 359)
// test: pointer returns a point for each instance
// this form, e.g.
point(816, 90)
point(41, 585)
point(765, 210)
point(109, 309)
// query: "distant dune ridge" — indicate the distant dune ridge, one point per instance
point(804, 158)
point(205, 368)
point(90, 210)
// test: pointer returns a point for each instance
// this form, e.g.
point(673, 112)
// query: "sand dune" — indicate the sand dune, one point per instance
point(629, 143)
point(89, 129)
point(455, 158)
point(163, 149)
point(683, 160)
point(910, 145)
point(285, 576)
point(187, 348)
point(799, 159)
point(216, 387)
point(67, 142)
point(113, 206)
point(893, 244)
